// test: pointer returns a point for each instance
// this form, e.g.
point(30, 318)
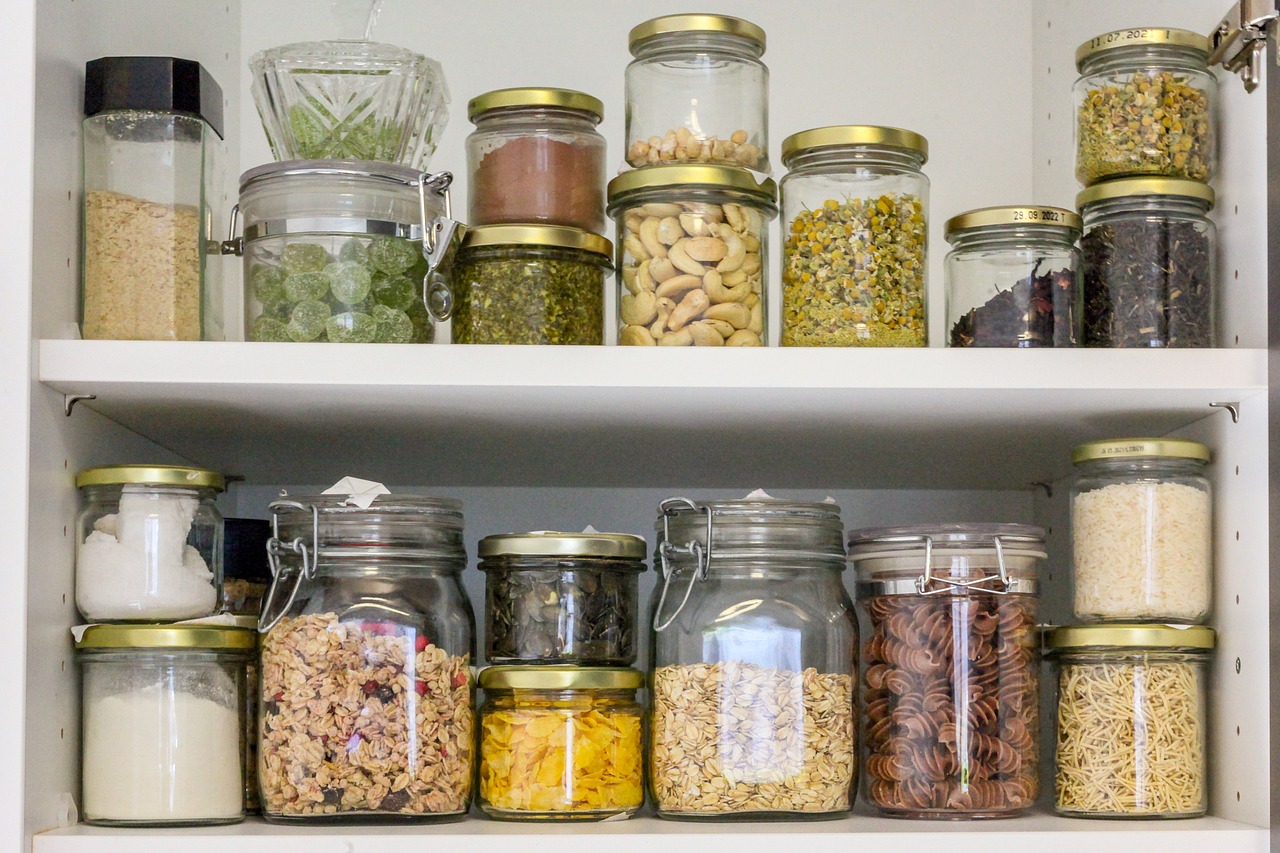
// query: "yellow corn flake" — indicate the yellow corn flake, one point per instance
point(561, 760)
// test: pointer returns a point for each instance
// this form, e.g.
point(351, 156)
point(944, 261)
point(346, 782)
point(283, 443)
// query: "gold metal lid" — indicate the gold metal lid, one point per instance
point(552, 543)
point(550, 236)
point(725, 24)
point(212, 637)
point(1016, 215)
point(568, 99)
point(1128, 448)
point(1126, 187)
point(150, 475)
point(853, 134)
point(1124, 636)
point(691, 176)
point(561, 678)
point(1141, 36)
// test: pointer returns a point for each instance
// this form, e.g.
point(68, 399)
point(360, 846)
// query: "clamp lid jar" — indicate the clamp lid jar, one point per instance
point(951, 673)
point(553, 597)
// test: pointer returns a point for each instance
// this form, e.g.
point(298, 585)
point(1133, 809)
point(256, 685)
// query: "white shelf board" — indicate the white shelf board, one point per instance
point(1040, 832)
point(615, 416)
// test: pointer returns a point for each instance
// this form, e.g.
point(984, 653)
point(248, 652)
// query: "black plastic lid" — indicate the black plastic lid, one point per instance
point(244, 549)
point(152, 83)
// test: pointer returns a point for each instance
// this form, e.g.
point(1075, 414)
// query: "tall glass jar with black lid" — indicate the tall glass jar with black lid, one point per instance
point(1150, 275)
point(1146, 104)
point(951, 671)
point(855, 211)
point(553, 597)
point(366, 662)
point(1013, 278)
point(754, 662)
point(698, 92)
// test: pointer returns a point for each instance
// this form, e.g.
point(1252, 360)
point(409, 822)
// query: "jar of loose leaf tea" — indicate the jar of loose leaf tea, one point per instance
point(692, 256)
point(334, 250)
point(536, 157)
point(1146, 104)
point(698, 92)
point(366, 705)
point(561, 743)
point(530, 284)
point(1142, 531)
point(1149, 263)
point(855, 222)
point(1132, 720)
point(554, 597)
point(1013, 278)
point(754, 662)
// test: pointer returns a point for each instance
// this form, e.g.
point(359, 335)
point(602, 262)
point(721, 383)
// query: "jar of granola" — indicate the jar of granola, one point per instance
point(366, 690)
point(755, 662)
point(560, 743)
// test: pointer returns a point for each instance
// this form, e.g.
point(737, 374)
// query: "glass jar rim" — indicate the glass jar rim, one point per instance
point(1141, 448)
point(394, 174)
point(1129, 637)
point(1141, 37)
point(851, 135)
point(1014, 216)
point(554, 543)
point(525, 97)
point(151, 475)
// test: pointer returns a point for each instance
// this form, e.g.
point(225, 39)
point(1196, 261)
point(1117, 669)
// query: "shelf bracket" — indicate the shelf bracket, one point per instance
point(69, 401)
point(1233, 408)
point(1048, 487)
point(1240, 39)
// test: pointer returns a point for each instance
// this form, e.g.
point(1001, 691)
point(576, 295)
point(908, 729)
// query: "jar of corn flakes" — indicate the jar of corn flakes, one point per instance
point(560, 743)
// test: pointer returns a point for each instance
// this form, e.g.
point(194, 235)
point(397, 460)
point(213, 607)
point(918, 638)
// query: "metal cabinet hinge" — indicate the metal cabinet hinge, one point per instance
point(1241, 37)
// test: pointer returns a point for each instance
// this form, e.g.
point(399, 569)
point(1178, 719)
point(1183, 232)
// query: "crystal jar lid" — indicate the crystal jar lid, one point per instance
point(753, 529)
point(176, 636)
point(1014, 216)
point(1139, 37)
point(724, 24)
point(552, 543)
point(567, 99)
point(1121, 636)
point(848, 135)
point(1140, 448)
point(393, 529)
point(390, 174)
point(150, 475)
point(561, 678)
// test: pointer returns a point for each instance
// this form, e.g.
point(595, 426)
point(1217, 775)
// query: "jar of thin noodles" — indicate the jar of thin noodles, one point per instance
point(1132, 725)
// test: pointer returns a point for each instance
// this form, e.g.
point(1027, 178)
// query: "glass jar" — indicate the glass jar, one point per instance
point(1142, 531)
point(754, 663)
point(530, 284)
point(149, 543)
point(1149, 263)
point(162, 742)
point(152, 191)
point(246, 574)
point(698, 92)
point(1146, 104)
point(1132, 722)
point(366, 664)
point(251, 688)
point(561, 743)
point(855, 210)
point(692, 255)
point(952, 701)
point(334, 251)
point(535, 156)
point(1013, 278)
point(562, 597)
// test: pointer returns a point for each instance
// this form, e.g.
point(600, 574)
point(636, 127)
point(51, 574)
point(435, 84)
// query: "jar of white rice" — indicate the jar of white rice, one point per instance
point(1141, 531)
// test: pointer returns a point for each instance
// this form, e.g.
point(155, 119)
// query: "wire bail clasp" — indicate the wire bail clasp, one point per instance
point(276, 549)
point(925, 581)
point(667, 550)
point(441, 237)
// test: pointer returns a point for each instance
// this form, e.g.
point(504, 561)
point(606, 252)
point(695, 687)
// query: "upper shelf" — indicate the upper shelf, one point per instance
point(606, 416)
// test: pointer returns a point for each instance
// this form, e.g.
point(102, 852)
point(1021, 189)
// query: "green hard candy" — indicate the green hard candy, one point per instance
point(395, 291)
point(394, 326)
point(348, 281)
point(267, 284)
point(355, 251)
point(307, 321)
point(306, 286)
point(270, 329)
point(303, 257)
point(352, 327)
point(393, 255)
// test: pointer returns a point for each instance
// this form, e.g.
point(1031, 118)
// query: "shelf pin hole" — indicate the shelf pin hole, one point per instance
point(1237, 666)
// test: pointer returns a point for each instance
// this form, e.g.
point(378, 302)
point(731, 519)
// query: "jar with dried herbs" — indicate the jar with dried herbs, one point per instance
point(554, 597)
point(1146, 104)
point(561, 743)
point(530, 284)
point(1013, 278)
point(855, 212)
point(1149, 263)
point(755, 663)
point(692, 255)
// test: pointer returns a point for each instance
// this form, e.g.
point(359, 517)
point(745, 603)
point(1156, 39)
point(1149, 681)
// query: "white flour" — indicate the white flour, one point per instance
point(153, 754)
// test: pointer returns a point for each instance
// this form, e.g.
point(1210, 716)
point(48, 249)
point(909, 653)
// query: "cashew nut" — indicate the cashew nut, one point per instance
point(711, 283)
point(725, 329)
point(751, 242)
point(750, 263)
point(629, 278)
point(679, 284)
point(632, 221)
point(733, 279)
point(694, 225)
point(706, 249)
point(682, 260)
point(635, 336)
point(682, 338)
point(691, 306)
point(744, 338)
point(644, 281)
point(705, 335)
point(669, 230)
point(649, 238)
point(633, 246)
point(757, 319)
point(737, 251)
point(661, 269)
point(659, 209)
point(659, 327)
point(637, 309)
point(708, 212)
point(733, 214)
point(734, 313)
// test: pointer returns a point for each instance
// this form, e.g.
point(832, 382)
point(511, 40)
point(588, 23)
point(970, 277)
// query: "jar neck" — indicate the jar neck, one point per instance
point(483, 254)
point(113, 491)
point(1131, 656)
point(1014, 236)
point(1170, 57)
point(619, 206)
point(1161, 205)
point(685, 44)
point(899, 160)
point(1139, 464)
point(596, 696)
point(765, 567)
point(513, 118)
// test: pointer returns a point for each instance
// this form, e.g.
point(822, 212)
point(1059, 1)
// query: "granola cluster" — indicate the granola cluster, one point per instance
point(362, 718)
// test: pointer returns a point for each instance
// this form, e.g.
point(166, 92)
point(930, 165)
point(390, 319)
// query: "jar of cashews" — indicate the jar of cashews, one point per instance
point(950, 676)
point(1131, 720)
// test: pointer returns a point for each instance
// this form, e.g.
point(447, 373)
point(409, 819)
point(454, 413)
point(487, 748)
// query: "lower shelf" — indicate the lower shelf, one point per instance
point(1042, 833)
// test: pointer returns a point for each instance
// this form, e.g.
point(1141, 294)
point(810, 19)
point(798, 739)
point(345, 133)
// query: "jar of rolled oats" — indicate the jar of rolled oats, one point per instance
point(366, 692)
point(755, 662)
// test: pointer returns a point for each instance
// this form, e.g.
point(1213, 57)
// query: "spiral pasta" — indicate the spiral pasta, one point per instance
point(952, 704)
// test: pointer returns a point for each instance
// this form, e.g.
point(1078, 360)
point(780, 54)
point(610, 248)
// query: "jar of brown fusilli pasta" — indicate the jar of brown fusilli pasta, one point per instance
point(951, 690)
point(1131, 720)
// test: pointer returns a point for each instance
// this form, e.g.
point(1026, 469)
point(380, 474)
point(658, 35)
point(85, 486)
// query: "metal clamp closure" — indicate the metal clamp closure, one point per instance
point(927, 580)
point(277, 548)
point(233, 245)
point(441, 237)
point(667, 549)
